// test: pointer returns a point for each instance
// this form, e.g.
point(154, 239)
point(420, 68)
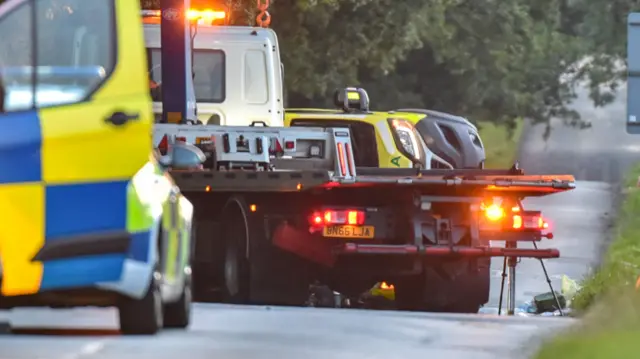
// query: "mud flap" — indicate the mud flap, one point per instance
point(280, 274)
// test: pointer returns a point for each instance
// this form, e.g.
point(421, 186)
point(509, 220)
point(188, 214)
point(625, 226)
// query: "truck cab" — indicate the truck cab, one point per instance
point(237, 73)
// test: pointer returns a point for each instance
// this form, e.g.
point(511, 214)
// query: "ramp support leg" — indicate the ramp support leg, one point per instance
point(546, 276)
point(511, 298)
point(504, 277)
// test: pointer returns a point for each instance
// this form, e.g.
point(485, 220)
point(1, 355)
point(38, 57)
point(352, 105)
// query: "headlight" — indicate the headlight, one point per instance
point(407, 140)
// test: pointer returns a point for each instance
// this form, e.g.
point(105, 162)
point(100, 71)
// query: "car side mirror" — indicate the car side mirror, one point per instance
point(183, 156)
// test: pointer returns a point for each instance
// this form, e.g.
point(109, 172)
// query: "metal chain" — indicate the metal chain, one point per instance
point(264, 18)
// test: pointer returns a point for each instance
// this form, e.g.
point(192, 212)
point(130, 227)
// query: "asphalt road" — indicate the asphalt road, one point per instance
point(597, 157)
point(579, 218)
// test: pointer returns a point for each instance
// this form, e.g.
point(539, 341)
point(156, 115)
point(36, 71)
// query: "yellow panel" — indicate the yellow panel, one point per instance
point(21, 236)
point(131, 74)
point(78, 146)
point(173, 237)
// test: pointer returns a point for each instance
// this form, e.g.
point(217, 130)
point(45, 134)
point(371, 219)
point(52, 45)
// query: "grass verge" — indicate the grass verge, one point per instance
point(501, 148)
point(608, 300)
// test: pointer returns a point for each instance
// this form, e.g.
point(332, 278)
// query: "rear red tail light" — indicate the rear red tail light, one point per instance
point(338, 217)
point(531, 220)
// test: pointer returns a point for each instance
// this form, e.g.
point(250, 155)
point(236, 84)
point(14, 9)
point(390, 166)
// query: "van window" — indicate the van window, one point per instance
point(75, 52)
point(256, 90)
point(209, 68)
point(16, 53)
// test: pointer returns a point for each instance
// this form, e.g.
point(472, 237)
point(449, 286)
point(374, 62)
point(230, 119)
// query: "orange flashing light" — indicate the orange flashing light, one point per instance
point(206, 15)
point(494, 212)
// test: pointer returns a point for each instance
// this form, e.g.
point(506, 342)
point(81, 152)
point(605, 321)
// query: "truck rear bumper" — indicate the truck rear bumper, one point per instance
point(326, 251)
point(443, 251)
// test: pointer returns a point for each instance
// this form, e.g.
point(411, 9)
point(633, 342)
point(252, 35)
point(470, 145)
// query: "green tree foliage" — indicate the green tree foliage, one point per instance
point(486, 59)
point(604, 24)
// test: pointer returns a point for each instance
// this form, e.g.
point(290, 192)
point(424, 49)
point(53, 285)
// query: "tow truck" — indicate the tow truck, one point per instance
point(269, 223)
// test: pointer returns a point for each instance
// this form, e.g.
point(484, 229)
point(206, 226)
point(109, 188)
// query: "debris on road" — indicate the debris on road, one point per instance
point(324, 297)
point(546, 302)
point(382, 297)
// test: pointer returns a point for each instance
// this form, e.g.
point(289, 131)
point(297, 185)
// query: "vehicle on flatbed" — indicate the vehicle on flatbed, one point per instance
point(423, 138)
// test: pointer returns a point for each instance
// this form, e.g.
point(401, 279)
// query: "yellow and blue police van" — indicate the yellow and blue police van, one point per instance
point(88, 216)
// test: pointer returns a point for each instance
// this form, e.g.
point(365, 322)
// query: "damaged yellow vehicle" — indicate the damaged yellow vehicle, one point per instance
point(407, 138)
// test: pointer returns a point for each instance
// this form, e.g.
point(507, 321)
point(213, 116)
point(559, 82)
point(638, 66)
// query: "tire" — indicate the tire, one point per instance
point(236, 267)
point(143, 316)
point(434, 291)
point(268, 276)
point(178, 314)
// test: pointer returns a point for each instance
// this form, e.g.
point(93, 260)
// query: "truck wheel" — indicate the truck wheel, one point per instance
point(145, 315)
point(434, 291)
point(268, 276)
point(236, 267)
point(178, 314)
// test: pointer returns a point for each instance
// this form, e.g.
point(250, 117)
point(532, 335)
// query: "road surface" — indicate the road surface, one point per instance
point(596, 156)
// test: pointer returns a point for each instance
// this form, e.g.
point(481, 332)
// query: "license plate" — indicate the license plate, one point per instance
point(356, 232)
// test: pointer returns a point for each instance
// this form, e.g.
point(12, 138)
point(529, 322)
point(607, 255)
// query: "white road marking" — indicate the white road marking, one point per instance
point(86, 350)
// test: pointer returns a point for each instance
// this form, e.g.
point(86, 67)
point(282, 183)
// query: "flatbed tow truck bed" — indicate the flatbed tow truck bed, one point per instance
point(468, 181)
